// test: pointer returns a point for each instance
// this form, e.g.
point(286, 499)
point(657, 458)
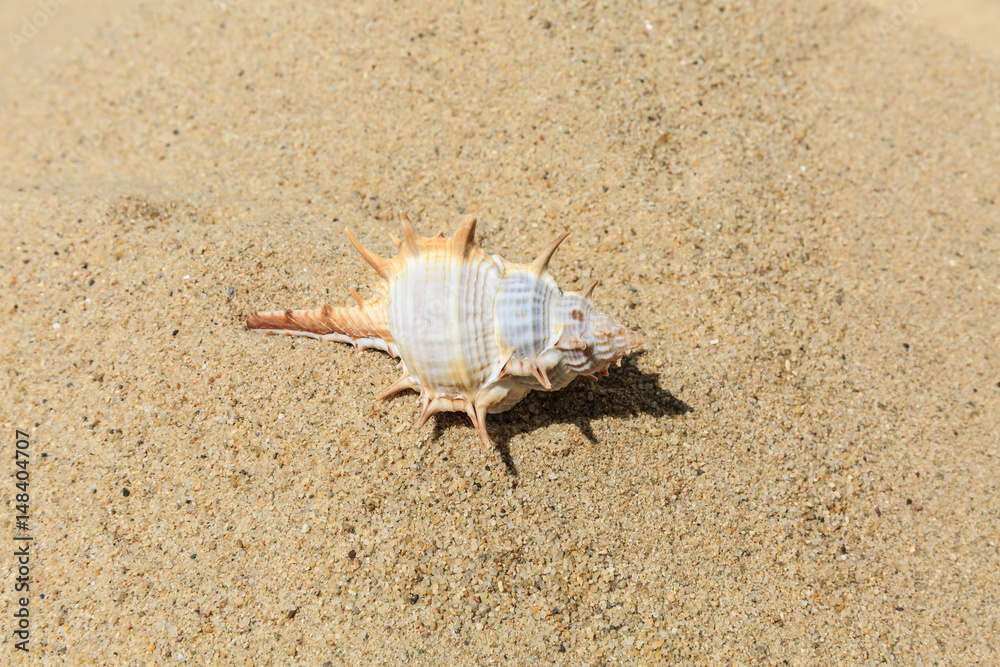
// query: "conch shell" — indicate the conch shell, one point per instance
point(474, 332)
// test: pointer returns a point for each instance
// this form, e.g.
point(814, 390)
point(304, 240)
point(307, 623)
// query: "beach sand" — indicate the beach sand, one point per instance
point(796, 204)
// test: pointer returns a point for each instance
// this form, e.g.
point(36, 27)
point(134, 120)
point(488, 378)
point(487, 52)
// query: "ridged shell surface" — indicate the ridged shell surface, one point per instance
point(473, 332)
point(440, 311)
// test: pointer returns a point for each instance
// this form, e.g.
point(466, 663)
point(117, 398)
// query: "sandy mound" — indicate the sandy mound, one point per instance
point(797, 206)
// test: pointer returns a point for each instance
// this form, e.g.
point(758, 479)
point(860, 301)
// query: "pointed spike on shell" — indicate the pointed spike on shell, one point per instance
point(479, 421)
point(410, 232)
point(395, 241)
point(541, 376)
point(446, 404)
point(380, 264)
point(539, 265)
point(503, 364)
point(430, 409)
point(590, 289)
point(401, 384)
point(357, 298)
point(482, 408)
point(478, 417)
point(465, 237)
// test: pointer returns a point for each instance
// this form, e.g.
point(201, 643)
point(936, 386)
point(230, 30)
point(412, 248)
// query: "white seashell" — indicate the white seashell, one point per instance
point(474, 332)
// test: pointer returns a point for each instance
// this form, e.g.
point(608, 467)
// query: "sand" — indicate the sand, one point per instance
point(797, 205)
